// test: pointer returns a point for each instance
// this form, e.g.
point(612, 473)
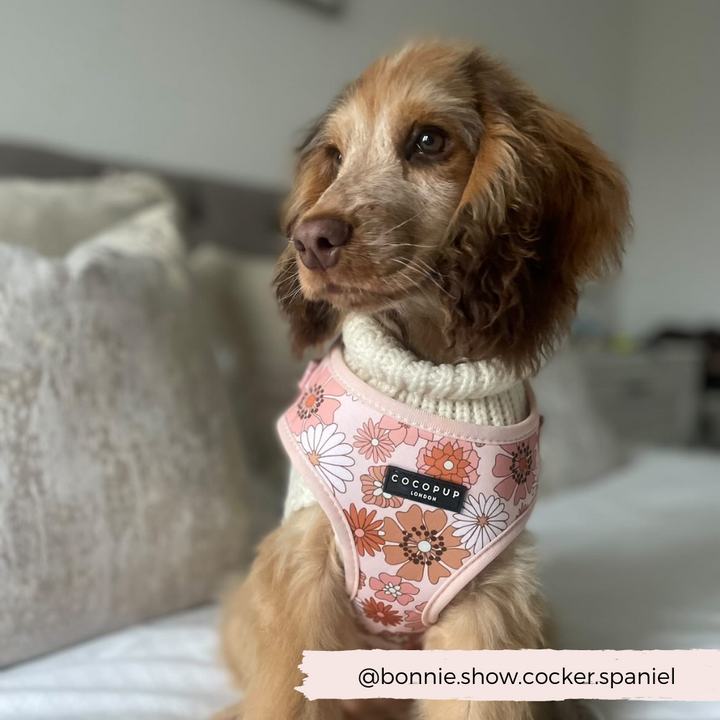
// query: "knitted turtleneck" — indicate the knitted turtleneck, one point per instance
point(475, 392)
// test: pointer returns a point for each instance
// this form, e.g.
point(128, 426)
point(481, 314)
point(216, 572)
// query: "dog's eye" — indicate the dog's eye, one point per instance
point(429, 141)
point(335, 155)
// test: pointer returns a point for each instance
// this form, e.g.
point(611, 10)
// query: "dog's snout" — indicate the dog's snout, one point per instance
point(319, 241)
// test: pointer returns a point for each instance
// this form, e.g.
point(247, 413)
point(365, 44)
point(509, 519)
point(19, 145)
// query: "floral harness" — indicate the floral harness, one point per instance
point(419, 504)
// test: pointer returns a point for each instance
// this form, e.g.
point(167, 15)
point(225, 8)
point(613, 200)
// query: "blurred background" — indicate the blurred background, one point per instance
point(145, 147)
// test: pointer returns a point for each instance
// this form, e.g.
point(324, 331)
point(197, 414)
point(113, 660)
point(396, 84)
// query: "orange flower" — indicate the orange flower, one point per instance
point(366, 533)
point(380, 612)
point(422, 540)
point(453, 460)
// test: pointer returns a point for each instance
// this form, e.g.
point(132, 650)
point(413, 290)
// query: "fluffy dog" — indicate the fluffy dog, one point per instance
point(439, 198)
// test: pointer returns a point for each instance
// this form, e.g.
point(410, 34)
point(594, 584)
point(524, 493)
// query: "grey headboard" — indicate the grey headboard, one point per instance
point(233, 215)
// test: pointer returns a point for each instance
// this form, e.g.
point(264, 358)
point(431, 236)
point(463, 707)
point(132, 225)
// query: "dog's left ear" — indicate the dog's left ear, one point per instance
point(311, 322)
point(544, 210)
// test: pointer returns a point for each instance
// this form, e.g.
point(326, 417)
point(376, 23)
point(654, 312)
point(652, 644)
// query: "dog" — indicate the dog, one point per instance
point(441, 201)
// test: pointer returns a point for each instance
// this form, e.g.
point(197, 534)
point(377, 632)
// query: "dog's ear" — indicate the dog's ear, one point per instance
point(544, 210)
point(311, 323)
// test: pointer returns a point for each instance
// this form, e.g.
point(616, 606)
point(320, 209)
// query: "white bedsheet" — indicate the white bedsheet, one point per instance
point(633, 562)
point(630, 562)
point(166, 670)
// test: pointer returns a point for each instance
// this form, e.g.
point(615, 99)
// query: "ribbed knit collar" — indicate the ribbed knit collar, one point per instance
point(480, 392)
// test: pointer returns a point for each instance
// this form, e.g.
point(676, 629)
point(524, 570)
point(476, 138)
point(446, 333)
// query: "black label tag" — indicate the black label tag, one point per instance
point(424, 489)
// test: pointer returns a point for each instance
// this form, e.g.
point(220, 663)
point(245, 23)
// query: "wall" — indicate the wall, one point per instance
point(672, 272)
point(223, 86)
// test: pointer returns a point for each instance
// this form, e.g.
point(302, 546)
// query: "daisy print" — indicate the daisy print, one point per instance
point(329, 454)
point(365, 530)
point(380, 612)
point(374, 442)
point(480, 522)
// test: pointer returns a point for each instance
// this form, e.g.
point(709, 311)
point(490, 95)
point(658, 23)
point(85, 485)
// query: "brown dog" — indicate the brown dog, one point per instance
point(441, 196)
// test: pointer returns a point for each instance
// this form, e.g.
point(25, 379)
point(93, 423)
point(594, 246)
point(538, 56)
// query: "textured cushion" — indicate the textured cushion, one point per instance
point(230, 214)
point(120, 472)
point(251, 341)
point(53, 217)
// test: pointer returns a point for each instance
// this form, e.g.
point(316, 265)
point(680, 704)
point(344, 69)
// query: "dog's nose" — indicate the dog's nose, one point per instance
point(318, 242)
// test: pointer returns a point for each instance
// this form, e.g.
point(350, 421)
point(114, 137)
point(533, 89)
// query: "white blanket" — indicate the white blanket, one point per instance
point(630, 562)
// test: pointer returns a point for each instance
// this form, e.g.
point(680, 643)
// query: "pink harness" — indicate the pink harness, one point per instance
point(419, 504)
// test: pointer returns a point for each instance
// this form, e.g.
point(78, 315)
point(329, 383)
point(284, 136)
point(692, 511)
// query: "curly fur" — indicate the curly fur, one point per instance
point(538, 210)
point(478, 256)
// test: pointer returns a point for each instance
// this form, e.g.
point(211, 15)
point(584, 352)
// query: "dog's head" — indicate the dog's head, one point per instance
point(439, 193)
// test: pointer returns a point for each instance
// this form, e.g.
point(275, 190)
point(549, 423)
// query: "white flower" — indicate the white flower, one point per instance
point(481, 521)
point(394, 590)
point(327, 450)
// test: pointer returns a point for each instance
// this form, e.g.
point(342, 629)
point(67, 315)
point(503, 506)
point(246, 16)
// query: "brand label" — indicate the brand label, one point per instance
point(424, 489)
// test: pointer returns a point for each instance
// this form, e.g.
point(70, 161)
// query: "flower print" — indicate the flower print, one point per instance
point(400, 433)
point(480, 521)
point(451, 460)
point(327, 451)
point(365, 530)
point(380, 612)
point(373, 442)
point(391, 588)
point(317, 404)
point(517, 468)
point(422, 541)
point(413, 618)
point(363, 579)
point(372, 488)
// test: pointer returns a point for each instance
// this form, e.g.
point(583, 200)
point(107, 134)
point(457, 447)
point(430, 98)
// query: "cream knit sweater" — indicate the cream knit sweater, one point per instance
point(476, 392)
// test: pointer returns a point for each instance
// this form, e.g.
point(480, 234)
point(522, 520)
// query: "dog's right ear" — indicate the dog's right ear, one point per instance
point(311, 322)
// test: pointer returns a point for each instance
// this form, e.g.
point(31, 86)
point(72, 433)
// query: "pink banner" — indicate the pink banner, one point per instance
point(513, 674)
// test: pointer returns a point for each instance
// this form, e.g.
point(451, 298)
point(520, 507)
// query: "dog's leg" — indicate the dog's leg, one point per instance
point(501, 609)
point(294, 599)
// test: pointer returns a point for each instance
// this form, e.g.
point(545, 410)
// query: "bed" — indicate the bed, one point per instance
point(630, 561)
